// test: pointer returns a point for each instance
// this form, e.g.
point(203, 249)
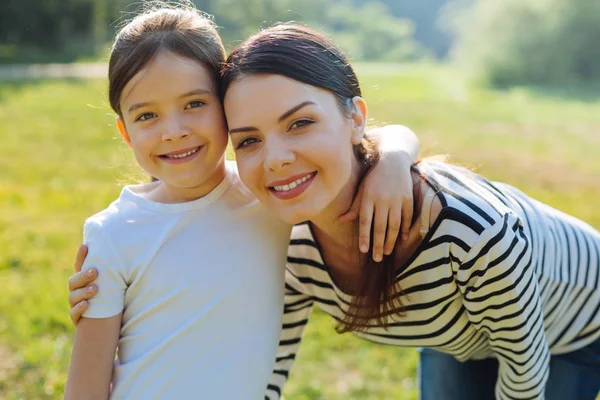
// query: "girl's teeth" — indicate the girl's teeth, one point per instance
point(189, 153)
point(293, 185)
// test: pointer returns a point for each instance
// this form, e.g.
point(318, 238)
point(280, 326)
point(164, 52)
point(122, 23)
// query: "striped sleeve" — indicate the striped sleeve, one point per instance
point(502, 299)
point(296, 312)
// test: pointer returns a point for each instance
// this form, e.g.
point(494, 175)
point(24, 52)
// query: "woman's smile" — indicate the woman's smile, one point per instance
point(292, 187)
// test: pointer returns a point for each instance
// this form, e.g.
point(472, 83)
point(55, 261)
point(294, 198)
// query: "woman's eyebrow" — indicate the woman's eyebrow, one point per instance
point(280, 119)
point(294, 109)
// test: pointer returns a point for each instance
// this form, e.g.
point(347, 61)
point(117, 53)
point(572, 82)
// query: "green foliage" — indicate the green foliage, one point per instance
point(54, 30)
point(529, 42)
point(366, 32)
point(423, 14)
point(66, 30)
point(62, 160)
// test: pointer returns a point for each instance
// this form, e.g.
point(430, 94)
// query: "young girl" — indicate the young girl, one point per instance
point(191, 265)
point(487, 273)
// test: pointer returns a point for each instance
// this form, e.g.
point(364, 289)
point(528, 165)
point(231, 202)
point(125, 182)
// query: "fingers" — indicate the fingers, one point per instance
point(364, 225)
point(379, 230)
point(80, 257)
point(393, 228)
point(82, 278)
point(77, 311)
point(79, 295)
point(407, 216)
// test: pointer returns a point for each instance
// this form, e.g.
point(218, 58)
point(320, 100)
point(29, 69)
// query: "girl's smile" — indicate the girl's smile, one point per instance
point(181, 156)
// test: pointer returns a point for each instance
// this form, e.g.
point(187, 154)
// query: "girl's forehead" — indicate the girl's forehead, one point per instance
point(166, 76)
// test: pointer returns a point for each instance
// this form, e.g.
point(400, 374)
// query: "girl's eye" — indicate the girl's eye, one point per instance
point(246, 142)
point(195, 104)
point(300, 123)
point(145, 116)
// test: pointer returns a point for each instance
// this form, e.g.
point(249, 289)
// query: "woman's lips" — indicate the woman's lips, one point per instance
point(292, 187)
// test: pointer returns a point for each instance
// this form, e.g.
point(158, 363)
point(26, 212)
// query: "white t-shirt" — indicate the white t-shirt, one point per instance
point(201, 289)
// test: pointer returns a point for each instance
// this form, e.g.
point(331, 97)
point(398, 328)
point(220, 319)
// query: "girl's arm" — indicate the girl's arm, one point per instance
point(386, 191)
point(92, 359)
point(296, 312)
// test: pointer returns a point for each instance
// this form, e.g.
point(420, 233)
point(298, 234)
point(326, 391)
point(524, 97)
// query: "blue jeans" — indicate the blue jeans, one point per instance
point(573, 376)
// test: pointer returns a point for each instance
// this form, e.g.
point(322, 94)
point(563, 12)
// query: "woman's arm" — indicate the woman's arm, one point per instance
point(92, 359)
point(80, 288)
point(386, 191)
point(296, 312)
point(502, 298)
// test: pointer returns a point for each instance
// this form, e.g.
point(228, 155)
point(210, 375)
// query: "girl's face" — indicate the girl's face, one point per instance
point(173, 120)
point(293, 143)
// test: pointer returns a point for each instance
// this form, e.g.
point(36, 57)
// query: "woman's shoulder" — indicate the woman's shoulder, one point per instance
point(464, 195)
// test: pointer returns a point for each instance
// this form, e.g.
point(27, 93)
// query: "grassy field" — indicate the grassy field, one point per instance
point(61, 160)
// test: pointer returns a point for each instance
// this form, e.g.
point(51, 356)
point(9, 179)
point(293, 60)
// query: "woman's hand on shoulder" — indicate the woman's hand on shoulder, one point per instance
point(80, 288)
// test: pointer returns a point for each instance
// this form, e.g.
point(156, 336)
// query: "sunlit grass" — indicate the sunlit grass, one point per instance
point(61, 160)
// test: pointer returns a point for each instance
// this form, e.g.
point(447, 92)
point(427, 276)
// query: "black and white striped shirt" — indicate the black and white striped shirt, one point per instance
point(498, 275)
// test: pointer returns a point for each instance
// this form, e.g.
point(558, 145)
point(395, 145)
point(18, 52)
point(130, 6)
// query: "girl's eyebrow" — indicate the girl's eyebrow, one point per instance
point(280, 119)
point(135, 106)
point(194, 92)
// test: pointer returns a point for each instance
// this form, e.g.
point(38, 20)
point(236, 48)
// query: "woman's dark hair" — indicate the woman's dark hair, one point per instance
point(307, 56)
point(181, 29)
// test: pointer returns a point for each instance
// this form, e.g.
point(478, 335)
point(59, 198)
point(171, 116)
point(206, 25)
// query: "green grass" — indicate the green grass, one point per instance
point(62, 160)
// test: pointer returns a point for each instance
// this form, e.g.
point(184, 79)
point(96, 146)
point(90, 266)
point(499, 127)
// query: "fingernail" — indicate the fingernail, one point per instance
point(364, 248)
point(89, 273)
point(378, 257)
point(90, 289)
point(81, 304)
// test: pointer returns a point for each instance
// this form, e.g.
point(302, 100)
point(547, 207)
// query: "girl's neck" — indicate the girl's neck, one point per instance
point(165, 193)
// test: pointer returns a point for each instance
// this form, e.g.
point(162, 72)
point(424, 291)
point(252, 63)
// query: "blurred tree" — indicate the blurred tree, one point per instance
point(533, 42)
point(366, 31)
point(424, 16)
point(64, 30)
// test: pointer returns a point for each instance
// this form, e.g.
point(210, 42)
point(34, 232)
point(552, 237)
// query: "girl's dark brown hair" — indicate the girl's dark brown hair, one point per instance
point(306, 56)
point(180, 29)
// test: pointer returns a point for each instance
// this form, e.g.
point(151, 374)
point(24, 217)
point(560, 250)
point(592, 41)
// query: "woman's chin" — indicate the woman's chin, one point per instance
point(293, 218)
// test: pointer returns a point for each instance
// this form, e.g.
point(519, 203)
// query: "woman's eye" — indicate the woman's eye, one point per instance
point(246, 142)
point(300, 123)
point(145, 116)
point(195, 104)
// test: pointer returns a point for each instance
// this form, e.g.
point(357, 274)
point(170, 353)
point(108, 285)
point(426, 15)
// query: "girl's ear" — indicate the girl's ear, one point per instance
point(359, 119)
point(123, 131)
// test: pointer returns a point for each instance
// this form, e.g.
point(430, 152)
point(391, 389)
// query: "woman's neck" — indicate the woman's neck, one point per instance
point(327, 223)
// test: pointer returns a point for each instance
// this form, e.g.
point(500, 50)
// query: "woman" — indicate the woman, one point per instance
point(487, 274)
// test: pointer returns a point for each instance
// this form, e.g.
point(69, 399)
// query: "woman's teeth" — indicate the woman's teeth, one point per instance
point(189, 153)
point(292, 185)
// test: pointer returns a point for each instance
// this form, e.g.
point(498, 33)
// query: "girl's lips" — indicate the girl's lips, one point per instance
point(296, 191)
point(171, 160)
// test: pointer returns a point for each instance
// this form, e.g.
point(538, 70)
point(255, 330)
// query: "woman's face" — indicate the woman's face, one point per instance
point(293, 143)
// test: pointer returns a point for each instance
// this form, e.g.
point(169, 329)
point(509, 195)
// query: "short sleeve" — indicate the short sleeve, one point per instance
point(111, 281)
